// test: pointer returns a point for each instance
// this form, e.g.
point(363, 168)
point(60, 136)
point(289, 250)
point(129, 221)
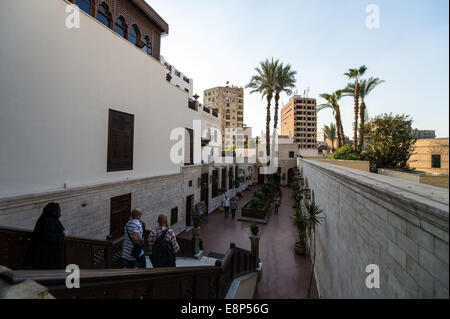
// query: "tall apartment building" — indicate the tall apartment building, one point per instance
point(229, 101)
point(421, 134)
point(299, 120)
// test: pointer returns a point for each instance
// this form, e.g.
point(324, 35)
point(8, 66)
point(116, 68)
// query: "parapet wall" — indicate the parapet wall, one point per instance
point(398, 225)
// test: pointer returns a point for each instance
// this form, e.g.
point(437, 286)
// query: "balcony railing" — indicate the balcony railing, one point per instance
point(191, 105)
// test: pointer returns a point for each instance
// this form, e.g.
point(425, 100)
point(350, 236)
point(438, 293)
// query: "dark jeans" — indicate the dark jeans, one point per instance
point(276, 207)
point(227, 211)
point(138, 263)
point(233, 213)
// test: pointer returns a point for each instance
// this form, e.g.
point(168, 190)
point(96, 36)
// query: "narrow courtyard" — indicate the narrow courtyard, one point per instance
point(285, 275)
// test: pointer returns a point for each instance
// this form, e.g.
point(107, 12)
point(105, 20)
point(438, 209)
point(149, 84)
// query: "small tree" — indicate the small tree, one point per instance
point(302, 225)
point(346, 152)
point(313, 221)
point(197, 218)
point(389, 141)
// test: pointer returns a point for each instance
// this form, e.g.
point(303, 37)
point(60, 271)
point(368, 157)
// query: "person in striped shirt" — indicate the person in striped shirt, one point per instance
point(134, 230)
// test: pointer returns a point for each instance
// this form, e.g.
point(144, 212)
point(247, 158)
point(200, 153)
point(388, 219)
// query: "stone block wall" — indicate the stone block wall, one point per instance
point(370, 219)
point(86, 210)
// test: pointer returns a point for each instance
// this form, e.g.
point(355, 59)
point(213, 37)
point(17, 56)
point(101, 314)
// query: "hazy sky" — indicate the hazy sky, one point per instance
point(214, 41)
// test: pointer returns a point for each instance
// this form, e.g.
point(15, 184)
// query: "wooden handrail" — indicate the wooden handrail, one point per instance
point(83, 251)
point(160, 283)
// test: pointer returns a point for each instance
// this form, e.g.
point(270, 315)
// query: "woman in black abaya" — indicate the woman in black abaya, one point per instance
point(47, 243)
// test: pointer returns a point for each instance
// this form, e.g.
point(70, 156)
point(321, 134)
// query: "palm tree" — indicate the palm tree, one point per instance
point(356, 74)
point(264, 82)
point(365, 88)
point(333, 103)
point(284, 82)
point(330, 132)
point(313, 221)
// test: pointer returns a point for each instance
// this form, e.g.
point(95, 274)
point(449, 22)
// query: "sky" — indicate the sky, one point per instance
point(215, 41)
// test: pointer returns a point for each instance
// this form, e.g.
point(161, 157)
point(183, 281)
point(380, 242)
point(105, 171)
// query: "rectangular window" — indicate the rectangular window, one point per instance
point(84, 5)
point(230, 178)
point(215, 182)
point(224, 178)
point(291, 154)
point(120, 141)
point(174, 216)
point(435, 161)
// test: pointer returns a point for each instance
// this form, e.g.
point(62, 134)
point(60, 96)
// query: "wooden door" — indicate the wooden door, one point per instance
point(119, 215)
point(189, 205)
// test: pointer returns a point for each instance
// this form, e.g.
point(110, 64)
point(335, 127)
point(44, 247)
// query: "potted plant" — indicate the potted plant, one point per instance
point(254, 228)
point(197, 218)
point(302, 225)
point(313, 218)
point(196, 221)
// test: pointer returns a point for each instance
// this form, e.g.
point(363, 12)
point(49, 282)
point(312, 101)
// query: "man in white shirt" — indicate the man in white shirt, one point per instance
point(226, 205)
point(133, 235)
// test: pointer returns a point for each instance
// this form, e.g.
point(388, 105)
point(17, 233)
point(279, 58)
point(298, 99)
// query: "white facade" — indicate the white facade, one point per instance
point(212, 132)
point(55, 101)
point(179, 79)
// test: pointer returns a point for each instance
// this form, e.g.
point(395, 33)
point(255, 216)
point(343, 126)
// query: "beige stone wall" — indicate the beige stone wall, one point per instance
point(398, 225)
point(421, 158)
point(438, 181)
point(86, 210)
point(359, 165)
point(433, 180)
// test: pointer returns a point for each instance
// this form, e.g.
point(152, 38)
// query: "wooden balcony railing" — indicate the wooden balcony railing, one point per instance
point(191, 105)
point(85, 252)
point(208, 282)
point(160, 283)
point(237, 262)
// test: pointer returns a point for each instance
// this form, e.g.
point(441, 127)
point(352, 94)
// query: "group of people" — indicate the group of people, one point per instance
point(162, 243)
point(233, 204)
point(46, 251)
point(230, 204)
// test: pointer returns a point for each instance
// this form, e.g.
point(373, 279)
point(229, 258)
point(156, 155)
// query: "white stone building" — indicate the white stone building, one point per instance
point(87, 119)
point(178, 78)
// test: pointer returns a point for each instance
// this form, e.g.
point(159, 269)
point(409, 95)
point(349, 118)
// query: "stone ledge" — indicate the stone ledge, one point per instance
point(423, 201)
point(31, 199)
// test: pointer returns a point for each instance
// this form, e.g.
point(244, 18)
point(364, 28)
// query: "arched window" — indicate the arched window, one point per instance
point(84, 5)
point(135, 35)
point(147, 48)
point(104, 15)
point(120, 27)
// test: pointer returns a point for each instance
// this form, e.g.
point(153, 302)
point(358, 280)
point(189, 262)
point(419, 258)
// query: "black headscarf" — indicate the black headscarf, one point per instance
point(47, 243)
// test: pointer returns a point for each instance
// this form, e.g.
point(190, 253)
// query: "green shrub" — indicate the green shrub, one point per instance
point(254, 202)
point(260, 195)
point(346, 152)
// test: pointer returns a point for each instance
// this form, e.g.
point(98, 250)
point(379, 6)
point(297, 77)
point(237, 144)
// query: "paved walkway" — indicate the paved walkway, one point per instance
point(285, 275)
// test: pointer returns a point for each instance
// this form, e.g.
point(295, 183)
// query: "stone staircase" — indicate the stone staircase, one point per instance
point(189, 262)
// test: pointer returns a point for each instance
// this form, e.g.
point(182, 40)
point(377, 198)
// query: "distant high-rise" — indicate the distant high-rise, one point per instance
point(299, 119)
point(420, 134)
point(229, 101)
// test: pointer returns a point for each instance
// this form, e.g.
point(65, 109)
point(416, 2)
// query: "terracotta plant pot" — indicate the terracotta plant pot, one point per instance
point(300, 249)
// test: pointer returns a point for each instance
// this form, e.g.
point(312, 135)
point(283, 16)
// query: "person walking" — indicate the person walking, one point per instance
point(133, 253)
point(233, 206)
point(163, 245)
point(226, 205)
point(276, 204)
point(46, 250)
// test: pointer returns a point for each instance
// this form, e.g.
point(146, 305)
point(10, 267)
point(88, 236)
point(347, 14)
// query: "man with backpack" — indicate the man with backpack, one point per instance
point(163, 245)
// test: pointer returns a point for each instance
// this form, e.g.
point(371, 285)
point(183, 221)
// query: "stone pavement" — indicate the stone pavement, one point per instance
point(285, 275)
